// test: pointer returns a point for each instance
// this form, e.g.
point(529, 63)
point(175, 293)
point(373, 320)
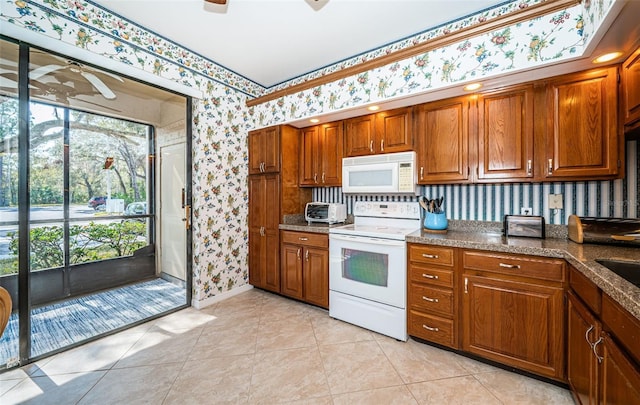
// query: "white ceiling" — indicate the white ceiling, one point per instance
point(271, 41)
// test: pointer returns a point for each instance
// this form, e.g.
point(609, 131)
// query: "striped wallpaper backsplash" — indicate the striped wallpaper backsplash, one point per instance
point(490, 202)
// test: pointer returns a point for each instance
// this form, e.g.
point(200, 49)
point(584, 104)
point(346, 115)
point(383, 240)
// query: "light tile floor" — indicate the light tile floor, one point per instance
point(259, 348)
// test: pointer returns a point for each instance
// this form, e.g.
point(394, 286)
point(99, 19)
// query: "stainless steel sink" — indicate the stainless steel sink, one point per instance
point(628, 270)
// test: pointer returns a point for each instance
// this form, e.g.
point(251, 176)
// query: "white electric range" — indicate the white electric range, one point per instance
point(368, 268)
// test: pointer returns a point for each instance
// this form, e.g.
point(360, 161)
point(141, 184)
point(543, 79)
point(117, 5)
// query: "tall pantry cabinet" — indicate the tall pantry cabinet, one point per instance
point(273, 193)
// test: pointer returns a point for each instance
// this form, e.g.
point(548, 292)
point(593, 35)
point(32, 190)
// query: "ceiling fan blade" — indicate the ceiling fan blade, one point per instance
point(99, 85)
point(37, 73)
point(112, 76)
point(223, 2)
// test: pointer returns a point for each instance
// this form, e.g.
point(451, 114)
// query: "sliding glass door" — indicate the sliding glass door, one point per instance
point(78, 204)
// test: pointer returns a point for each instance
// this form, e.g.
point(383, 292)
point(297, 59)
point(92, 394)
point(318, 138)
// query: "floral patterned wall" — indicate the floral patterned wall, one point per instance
point(548, 39)
point(221, 119)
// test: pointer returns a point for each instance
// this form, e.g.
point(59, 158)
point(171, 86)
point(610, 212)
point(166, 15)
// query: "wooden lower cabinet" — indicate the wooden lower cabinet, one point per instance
point(431, 298)
point(598, 369)
point(304, 269)
point(513, 319)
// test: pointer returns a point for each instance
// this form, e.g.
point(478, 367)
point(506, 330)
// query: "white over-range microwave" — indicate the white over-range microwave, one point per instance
point(391, 173)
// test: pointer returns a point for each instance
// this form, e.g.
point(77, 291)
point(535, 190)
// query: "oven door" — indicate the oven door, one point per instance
point(370, 268)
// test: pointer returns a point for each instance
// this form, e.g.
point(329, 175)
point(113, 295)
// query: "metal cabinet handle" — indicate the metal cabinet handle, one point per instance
point(382, 145)
point(466, 285)
point(371, 146)
point(586, 336)
point(428, 256)
point(306, 255)
point(550, 167)
point(262, 231)
point(303, 238)
point(510, 266)
point(315, 178)
point(432, 277)
point(421, 172)
point(529, 167)
point(430, 328)
point(322, 177)
point(298, 253)
point(595, 349)
point(429, 299)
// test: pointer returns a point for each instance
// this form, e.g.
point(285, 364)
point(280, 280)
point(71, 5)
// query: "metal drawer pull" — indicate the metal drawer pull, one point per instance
point(595, 349)
point(429, 276)
point(428, 256)
point(429, 328)
point(301, 238)
point(429, 299)
point(510, 266)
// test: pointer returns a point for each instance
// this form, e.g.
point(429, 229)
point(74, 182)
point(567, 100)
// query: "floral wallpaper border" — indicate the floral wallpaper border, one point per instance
point(547, 39)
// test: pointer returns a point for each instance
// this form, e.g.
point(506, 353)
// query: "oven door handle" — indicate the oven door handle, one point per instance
point(366, 239)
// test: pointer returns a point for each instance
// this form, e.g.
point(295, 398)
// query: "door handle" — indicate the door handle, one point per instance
point(187, 217)
point(550, 168)
point(306, 255)
point(371, 146)
point(382, 145)
point(298, 253)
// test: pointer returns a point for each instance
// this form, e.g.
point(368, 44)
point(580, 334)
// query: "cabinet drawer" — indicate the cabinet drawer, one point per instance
point(432, 328)
point(586, 290)
point(526, 266)
point(430, 299)
point(624, 326)
point(306, 239)
point(431, 275)
point(441, 256)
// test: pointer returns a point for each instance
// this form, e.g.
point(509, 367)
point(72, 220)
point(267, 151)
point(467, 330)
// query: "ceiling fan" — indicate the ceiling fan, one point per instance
point(39, 73)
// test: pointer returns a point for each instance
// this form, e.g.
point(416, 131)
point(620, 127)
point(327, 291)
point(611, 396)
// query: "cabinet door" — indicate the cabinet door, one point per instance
point(291, 272)
point(582, 331)
point(631, 88)
point(505, 135)
point(393, 131)
point(256, 222)
point(264, 150)
point(582, 133)
point(272, 232)
point(309, 156)
point(620, 377)
point(316, 276)
point(359, 134)
point(443, 141)
point(331, 153)
point(515, 323)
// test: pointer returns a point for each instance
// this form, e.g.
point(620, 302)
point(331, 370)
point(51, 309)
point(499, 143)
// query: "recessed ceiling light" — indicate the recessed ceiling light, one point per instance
point(314, 120)
point(373, 108)
point(607, 57)
point(472, 86)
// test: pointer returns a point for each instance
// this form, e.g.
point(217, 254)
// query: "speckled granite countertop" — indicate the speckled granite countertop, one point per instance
point(581, 256)
point(488, 236)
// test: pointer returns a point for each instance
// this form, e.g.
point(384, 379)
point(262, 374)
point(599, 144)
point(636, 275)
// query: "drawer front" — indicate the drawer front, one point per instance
point(430, 299)
point(306, 239)
point(441, 256)
point(525, 266)
point(586, 290)
point(623, 325)
point(432, 328)
point(431, 275)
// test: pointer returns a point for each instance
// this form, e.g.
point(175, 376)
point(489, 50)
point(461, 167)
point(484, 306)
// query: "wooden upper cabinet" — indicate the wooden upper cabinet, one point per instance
point(442, 130)
point(582, 139)
point(264, 150)
point(322, 149)
point(384, 132)
point(360, 132)
point(630, 97)
point(505, 135)
point(309, 156)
